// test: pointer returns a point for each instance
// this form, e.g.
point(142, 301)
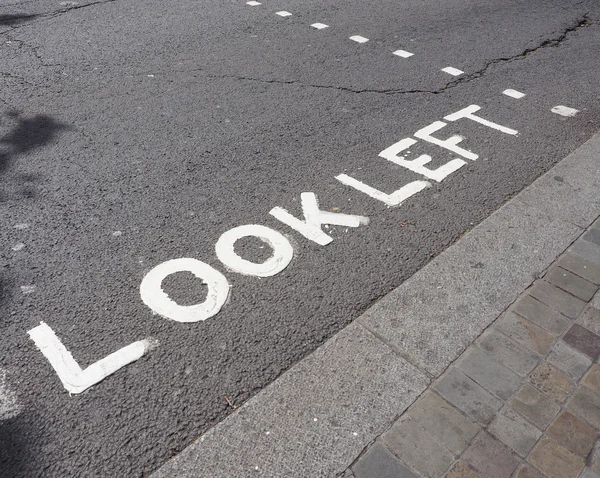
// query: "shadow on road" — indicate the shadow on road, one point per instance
point(26, 134)
point(11, 20)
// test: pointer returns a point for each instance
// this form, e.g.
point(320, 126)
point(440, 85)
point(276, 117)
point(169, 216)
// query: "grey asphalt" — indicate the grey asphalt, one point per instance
point(174, 122)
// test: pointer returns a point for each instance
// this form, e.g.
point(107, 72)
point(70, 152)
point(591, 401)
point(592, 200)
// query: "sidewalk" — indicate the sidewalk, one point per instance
point(524, 397)
point(481, 364)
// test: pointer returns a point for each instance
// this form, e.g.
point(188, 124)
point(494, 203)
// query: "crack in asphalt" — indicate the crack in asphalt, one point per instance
point(53, 14)
point(582, 22)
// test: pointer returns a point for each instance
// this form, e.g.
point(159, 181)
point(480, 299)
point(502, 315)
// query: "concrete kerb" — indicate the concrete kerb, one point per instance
point(318, 416)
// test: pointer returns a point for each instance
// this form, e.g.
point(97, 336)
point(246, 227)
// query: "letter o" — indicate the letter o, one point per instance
point(158, 300)
point(282, 251)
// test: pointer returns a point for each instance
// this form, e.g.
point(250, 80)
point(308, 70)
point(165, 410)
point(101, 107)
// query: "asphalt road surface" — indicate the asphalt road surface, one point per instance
point(137, 132)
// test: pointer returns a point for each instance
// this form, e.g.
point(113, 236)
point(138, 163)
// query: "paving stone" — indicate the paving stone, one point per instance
point(444, 422)
point(551, 382)
point(555, 461)
point(589, 473)
point(557, 299)
point(586, 250)
point(540, 314)
point(569, 360)
point(586, 404)
point(525, 332)
point(593, 459)
point(512, 430)
point(508, 352)
point(596, 301)
point(527, 472)
point(575, 435)
point(461, 470)
point(590, 319)
point(534, 406)
point(379, 462)
point(415, 447)
point(592, 235)
point(490, 457)
point(489, 373)
point(581, 267)
point(571, 283)
point(583, 340)
point(592, 379)
point(468, 396)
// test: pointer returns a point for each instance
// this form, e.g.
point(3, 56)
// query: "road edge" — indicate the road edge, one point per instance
point(317, 417)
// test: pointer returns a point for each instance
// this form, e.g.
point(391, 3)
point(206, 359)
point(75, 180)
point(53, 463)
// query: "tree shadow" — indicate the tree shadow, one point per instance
point(27, 134)
point(11, 20)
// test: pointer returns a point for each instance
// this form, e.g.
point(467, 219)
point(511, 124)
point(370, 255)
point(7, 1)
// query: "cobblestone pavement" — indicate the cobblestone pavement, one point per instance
point(522, 401)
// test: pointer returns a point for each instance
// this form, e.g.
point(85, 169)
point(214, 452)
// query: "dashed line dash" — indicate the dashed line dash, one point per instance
point(564, 111)
point(359, 39)
point(513, 93)
point(252, 3)
point(452, 71)
point(403, 53)
point(319, 26)
point(283, 14)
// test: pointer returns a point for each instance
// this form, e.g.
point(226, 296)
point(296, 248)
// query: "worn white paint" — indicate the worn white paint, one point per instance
point(564, 111)
point(319, 26)
point(394, 199)
point(117, 233)
point(9, 405)
point(451, 144)
point(158, 300)
point(314, 218)
point(253, 3)
point(282, 250)
point(452, 71)
point(73, 378)
point(468, 113)
point(21, 226)
point(27, 289)
point(417, 165)
point(283, 13)
point(403, 53)
point(359, 39)
point(513, 93)
point(18, 246)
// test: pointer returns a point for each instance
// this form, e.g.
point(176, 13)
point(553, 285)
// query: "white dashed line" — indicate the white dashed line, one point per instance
point(18, 246)
point(452, 71)
point(403, 53)
point(513, 93)
point(253, 3)
point(564, 111)
point(319, 26)
point(359, 39)
point(283, 13)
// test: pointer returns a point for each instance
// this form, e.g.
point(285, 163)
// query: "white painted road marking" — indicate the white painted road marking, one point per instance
point(359, 39)
point(73, 378)
point(403, 53)
point(450, 144)
point(282, 251)
point(154, 297)
point(394, 199)
point(314, 218)
point(319, 26)
point(564, 111)
point(9, 406)
point(513, 93)
point(468, 113)
point(253, 3)
point(417, 165)
point(452, 71)
point(283, 13)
